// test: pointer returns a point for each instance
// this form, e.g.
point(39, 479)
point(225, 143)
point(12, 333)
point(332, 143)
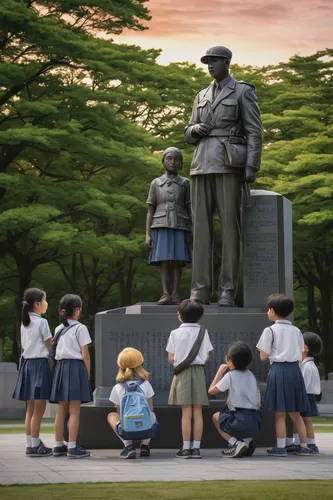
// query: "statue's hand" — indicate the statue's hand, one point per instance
point(250, 174)
point(148, 241)
point(201, 129)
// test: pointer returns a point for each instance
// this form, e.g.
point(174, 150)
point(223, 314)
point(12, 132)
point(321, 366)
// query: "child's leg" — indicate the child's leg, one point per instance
point(186, 425)
point(309, 430)
point(197, 425)
point(300, 427)
point(63, 408)
point(216, 421)
point(113, 419)
point(73, 422)
point(38, 412)
point(28, 416)
point(280, 429)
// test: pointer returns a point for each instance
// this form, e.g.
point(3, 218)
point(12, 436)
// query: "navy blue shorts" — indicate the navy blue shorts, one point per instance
point(241, 423)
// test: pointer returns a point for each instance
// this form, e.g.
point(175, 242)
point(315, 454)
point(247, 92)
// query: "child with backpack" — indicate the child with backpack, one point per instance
point(134, 418)
point(242, 417)
point(71, 380)
point(188, 350)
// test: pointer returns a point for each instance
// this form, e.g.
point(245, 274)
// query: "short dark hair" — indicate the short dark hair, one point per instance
point(68, 304)
point(190, 310)
point(30, 297)
point(314, 343)
point(282, 305)
point(240, 354)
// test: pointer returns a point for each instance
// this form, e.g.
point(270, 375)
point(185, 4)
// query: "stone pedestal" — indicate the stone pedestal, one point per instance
point(9, 407)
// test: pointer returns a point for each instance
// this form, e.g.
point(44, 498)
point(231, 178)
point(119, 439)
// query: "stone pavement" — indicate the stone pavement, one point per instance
point(106, 466)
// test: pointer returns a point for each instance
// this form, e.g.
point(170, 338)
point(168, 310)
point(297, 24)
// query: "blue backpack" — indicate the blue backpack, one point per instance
point(136, 419)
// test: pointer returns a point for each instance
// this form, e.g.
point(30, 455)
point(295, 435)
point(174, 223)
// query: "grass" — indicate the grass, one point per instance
point(232, 490)
point(21, 430)
point(322, 420)
point(323, 429)
point(20, 421)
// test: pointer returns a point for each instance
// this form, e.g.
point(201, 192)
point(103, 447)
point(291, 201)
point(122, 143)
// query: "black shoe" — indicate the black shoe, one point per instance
point(226, 300)
point(60, 451)
point(291, 449)
point(250, 449)
point(128, 452)
point(144, 450)
point(238, 450)
point(195, 453)
point(182, 453)
point(40, 451)
point(28, 450)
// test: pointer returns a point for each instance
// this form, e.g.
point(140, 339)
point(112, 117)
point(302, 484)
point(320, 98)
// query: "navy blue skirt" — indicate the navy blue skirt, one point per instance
point(285, 391)
point(34, 380)
point(169, 244)
point(312, 410)
point(241, 423)
point(71, 382)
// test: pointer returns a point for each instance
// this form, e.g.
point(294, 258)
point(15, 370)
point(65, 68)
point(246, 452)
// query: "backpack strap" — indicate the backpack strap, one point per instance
point(193, 352)
point(133, 385)
point(273, 336)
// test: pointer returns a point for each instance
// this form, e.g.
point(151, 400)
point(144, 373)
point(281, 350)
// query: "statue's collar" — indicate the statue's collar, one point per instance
point(164, 178)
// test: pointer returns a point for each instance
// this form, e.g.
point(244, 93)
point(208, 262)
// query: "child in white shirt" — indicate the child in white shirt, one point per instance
point(130, 363)
point(188, 388)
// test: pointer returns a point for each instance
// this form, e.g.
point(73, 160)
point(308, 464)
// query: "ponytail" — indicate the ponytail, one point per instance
point(63, 317)
point(30, 297)
point(67, 306)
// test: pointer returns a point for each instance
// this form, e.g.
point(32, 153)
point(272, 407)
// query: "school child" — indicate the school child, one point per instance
point(188, 350)
point(242, 417)
point(71, 380)
point(34, 379)
point(313, 346)
point(168, 225)
point(283, 345)
point(131, 371)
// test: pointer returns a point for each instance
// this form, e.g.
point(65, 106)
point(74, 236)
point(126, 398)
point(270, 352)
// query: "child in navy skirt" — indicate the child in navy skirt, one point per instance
point(34, 378)
point(71, 381)
point(168, 225)
point(130, 363)
point(283, 345)
point(313, 346)
point(242, 417)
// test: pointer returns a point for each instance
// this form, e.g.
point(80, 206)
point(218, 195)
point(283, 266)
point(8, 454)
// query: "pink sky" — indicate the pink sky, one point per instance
point(258, 32)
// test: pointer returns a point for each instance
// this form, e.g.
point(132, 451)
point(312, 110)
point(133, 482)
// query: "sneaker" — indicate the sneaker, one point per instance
point(291, 449)
point(128, 452)
point(183, 453)
point(77, 452)
point(195, 453)
point(144, 450)
point(238, 450)
point(277, 452)
point(28, 450)
point(40, 451)
point(250, 449)
point(303, 452)
point(60, 451)
point(314, 450)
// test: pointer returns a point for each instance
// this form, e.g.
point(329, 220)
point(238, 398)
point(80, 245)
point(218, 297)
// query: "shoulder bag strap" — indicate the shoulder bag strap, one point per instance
point(273, 336)
point(192, 354)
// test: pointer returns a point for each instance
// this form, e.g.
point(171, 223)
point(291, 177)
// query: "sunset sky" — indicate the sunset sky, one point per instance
point(258, 32)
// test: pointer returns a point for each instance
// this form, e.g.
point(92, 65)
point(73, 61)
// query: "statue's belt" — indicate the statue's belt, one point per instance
point(234, 139)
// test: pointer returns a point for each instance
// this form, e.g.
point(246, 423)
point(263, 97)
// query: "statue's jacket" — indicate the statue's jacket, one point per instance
point(235, 137)
point(170, 197)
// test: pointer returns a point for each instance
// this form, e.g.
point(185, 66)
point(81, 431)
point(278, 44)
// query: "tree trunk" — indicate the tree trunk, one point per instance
point(327, 327)
point(312, 310)
point(1, 349)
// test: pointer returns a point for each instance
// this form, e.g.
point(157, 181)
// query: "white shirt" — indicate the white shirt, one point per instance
point(33, 337)
point(243, 389)
point(181, 342)
point(118, 391)
point(70, 343)
point(311, 376)
point(286, 345)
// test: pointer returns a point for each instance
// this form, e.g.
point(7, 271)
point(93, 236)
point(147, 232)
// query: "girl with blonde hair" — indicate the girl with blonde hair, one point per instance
point(131, 371)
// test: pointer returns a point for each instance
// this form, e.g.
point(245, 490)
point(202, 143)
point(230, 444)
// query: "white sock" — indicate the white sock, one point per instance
point(304, 445)
point(296, 439)
point(28, 441)
point(196, 444)
point(66, 443)
point(247, 441)
point(311, 441)
point(145, 441)
point(289, 441)
point(59, 444)
point(281, 442)
point(186, 445)
point(127, 442)
point(35, 442)
point(232, 441)
point(72, 445)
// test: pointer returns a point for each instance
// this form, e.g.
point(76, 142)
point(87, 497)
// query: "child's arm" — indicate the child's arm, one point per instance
point(171, 358)
point(151, 406)
point(48, 343)
point(263, 355)
point(86, 358)
point(219, 374)
point(264, 345)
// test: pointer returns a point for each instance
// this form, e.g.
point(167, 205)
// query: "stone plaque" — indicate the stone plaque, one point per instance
point(267, 244)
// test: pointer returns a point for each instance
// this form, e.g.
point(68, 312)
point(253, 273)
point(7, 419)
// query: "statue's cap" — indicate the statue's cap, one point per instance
point(218, 51)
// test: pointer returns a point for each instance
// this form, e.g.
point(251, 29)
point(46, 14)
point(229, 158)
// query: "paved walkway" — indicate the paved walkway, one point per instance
point(106, 466)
